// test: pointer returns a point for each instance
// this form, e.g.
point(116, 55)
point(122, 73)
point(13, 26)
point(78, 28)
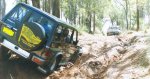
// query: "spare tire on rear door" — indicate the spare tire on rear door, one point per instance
point(31, 36)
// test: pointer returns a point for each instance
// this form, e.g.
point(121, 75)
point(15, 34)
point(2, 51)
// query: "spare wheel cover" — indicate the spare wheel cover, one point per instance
point(31, 36)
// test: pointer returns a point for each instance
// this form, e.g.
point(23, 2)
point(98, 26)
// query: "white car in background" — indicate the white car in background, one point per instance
point(114, 30)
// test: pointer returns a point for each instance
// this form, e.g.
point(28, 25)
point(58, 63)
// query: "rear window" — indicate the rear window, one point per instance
point(113, 27)
point(14, 19)
point(21, 14)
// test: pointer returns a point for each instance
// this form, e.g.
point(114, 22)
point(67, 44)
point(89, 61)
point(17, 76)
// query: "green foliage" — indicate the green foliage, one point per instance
point(90, 13)
point(82, 28)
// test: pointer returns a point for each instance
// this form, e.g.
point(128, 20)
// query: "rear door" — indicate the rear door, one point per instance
point(12, 21)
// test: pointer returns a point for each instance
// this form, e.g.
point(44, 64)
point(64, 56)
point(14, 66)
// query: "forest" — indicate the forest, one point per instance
point(122, 56)
point(91, 15)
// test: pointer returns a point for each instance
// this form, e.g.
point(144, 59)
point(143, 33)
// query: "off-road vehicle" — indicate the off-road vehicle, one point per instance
point(38, 37)
point(114, 30)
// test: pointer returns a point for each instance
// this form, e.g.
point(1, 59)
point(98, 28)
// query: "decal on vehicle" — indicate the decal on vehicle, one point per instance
point(8, 31)
point(28, 37)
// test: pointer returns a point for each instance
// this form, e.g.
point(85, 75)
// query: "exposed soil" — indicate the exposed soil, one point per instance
point(114, 57)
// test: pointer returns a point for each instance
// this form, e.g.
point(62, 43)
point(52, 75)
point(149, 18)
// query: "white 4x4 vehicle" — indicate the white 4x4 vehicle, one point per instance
point(114, 30)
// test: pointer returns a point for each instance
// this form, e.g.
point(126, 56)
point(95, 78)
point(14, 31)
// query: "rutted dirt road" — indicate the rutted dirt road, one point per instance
point(115, 57)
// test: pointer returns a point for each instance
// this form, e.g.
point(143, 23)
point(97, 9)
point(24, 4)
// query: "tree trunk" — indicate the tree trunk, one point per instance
point(26, 1)
point(56, 8)
point(49, 6)
point(71, 13)
point(82, 19)
point(75, 12)
point(2, 8)
point(36, 3)
point(79, 22)
point(88, 22)
point(61, 10)
point(43, 5)
point(126, 13)
point(137, 17)
point(94, 23)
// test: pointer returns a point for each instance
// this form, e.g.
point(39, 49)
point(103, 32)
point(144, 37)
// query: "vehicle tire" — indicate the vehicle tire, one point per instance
point(75, 56)
point(4, 55)
point(54, 64)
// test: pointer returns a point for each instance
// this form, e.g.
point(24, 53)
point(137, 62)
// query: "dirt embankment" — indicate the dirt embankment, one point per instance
point(115, 57)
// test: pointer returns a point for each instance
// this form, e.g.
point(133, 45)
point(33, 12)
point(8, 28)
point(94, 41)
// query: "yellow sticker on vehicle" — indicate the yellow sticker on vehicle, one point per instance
point(8, 31)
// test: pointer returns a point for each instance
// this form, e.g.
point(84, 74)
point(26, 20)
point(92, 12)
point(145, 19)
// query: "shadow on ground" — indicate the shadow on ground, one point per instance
point(19, 69)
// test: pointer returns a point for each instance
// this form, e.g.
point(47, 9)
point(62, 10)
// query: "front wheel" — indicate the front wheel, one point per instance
point(76, 55)
point(4, 53)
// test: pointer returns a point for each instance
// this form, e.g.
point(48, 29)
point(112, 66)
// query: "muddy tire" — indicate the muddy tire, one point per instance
point(4, 55)
point(75, 56)
point(54, 64)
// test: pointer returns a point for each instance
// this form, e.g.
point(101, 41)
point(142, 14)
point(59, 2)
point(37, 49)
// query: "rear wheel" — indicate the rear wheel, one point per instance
point(4, 55)
point(55, 63)
point(52, 65)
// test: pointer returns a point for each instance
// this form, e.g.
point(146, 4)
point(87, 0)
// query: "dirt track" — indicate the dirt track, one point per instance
point(114, 57)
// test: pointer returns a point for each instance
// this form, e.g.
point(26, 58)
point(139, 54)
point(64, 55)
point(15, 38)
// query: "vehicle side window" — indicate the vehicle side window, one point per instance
point(43, 21)
point(65, 40)
point(63, 35)
point(34, 18)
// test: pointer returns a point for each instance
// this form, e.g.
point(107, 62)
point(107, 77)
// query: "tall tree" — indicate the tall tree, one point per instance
point(26, 1)
point(94, 23)
point(46, 5)
point(49, 6)
point(2, 8)
point(137, 16)
point(126, 8)
point(89, 15)
point(126, 13)
point(56, 8)
point(36, 3)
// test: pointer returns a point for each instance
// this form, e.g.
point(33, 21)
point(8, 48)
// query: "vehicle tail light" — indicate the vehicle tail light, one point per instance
point(37, 60)
point(48, 53)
